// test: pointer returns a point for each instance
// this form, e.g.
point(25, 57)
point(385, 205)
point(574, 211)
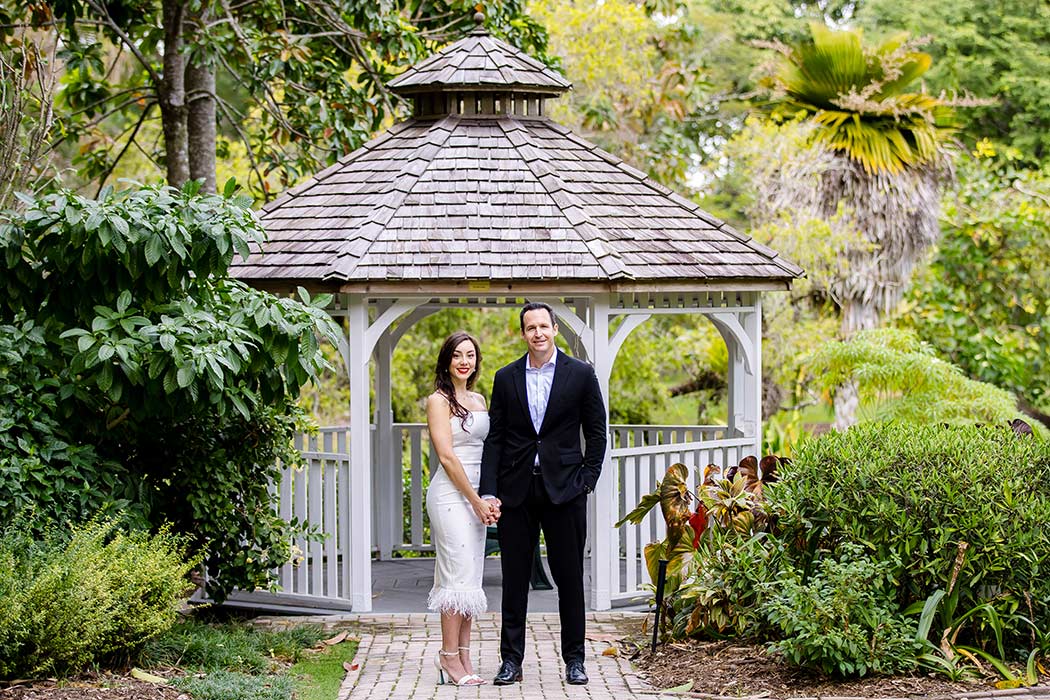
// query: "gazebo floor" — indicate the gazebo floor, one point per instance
point(401, 586)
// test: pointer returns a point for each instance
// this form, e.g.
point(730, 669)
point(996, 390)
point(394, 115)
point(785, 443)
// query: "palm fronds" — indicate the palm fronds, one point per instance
point(856, 95)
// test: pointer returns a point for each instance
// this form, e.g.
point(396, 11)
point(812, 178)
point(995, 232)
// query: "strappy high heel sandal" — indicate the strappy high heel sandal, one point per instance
point(466, 679)
point(467, 649)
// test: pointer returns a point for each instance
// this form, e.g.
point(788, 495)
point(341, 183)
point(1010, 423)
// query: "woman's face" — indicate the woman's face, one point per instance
point(464, 360)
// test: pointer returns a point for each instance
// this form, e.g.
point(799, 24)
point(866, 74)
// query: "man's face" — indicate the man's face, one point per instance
point(539, 331)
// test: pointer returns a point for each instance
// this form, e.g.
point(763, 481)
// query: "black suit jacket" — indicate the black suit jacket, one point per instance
point(575, 401)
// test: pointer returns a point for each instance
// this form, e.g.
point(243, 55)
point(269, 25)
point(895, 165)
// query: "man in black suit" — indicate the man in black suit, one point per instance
point(540, 477)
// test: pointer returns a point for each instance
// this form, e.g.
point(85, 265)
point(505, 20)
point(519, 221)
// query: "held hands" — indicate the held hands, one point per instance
point(487, 510)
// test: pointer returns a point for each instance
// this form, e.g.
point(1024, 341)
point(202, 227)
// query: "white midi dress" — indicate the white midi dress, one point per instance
point(457, 534)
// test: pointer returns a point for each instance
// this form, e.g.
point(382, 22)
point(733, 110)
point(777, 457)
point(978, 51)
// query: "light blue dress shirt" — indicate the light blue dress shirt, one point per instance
point(538, 381)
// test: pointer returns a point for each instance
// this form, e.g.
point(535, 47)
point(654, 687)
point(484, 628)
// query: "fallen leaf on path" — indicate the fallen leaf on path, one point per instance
point(347, 666)
point(611, 651)
point(341, 637)
point(684, 688)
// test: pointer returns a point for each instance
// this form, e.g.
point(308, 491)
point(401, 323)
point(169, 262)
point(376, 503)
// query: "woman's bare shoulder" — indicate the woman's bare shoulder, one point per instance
point(437, 400)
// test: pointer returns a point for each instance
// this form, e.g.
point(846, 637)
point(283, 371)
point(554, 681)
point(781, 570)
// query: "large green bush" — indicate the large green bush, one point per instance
point(963, 509)
point(138, 375)
point(97, 594)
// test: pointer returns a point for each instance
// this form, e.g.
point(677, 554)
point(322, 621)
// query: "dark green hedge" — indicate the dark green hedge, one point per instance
point(969, 500)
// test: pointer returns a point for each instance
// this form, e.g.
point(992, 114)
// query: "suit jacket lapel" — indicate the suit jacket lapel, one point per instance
point(519, 387)
point(562, 369)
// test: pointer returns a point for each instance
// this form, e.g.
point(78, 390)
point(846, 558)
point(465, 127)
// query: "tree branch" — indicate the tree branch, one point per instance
point(131, 139)
point(226, 109)
point(102, 11)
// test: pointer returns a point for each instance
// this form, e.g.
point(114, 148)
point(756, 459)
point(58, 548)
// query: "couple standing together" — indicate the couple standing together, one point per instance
point(518, 464)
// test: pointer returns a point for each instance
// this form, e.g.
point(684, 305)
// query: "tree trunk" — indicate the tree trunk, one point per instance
point(856, 316)
point(173, 96)
point(200, 88)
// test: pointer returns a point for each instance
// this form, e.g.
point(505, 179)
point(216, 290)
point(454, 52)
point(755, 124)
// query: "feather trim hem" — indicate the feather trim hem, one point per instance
point(467, 603)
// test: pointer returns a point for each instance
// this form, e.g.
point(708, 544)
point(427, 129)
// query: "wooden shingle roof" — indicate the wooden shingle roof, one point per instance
point(479, 61)
point(497, 198)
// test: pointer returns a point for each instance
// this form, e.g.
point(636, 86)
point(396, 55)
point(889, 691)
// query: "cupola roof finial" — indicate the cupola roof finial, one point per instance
point(480, 62)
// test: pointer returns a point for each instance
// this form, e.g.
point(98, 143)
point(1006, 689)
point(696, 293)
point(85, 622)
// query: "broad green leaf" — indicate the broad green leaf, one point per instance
point(185, 376)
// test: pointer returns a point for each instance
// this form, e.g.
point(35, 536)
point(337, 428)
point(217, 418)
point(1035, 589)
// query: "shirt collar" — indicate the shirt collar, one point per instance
point(548, 363)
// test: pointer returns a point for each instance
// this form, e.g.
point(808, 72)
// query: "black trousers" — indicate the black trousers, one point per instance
point(565, 530)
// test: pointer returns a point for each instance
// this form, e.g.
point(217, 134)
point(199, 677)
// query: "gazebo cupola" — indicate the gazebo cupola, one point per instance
point(479, 76)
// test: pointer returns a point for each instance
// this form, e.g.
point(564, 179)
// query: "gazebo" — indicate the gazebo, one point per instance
point(480, 200)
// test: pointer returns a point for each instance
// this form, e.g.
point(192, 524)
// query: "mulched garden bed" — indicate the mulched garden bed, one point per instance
point(736, 670)
point(105, 687)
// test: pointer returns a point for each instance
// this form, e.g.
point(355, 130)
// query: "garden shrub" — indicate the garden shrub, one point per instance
point(42, 466)
point(724, 584)
point(140, 377)
point(956, 508)
point(842, 620)
point(96, 594)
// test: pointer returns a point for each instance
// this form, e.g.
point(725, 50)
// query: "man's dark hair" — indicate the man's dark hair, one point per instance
point(532, 306)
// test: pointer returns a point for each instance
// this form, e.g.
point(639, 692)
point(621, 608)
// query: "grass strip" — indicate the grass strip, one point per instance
point(232, 685)
point(318, 675)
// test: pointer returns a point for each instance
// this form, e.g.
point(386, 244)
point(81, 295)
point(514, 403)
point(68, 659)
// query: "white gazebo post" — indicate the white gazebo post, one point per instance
point(360, 535)
point(605, 557)
point(387, 519)
point(742, 331)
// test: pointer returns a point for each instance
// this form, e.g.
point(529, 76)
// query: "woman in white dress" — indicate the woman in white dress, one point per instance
point(458, 423)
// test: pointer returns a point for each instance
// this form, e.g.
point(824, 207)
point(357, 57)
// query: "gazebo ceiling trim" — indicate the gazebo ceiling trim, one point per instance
point(521, 288)
point(479, 61)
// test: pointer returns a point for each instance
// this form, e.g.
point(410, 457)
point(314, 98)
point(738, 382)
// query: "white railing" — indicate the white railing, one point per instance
point(318, 495)
point(418, 455)
point(637, 467)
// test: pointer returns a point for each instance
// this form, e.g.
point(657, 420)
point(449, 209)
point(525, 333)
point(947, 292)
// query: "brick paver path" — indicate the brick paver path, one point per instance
point(396, 657)
point(396, 660)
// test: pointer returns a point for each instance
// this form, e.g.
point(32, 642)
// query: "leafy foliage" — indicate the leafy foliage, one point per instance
point(713, 552)
point(958, 507)
point(984, 302)
point(856, 96)
point(142, 352)
point(297, 83)
point(842, 620)
point(68, 600)
point(989, 50)
point(724, 585)
point(634, 82)
point(42, 465)
point(899, 377)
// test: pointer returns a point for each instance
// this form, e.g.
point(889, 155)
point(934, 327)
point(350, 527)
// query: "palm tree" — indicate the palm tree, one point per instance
point(879, 155)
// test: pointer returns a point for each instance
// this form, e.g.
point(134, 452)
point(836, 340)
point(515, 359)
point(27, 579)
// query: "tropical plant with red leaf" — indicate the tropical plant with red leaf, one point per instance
point(729, 503)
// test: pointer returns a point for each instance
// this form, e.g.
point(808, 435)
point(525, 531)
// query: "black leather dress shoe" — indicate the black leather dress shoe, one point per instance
point(574, 673)
point(509, 672)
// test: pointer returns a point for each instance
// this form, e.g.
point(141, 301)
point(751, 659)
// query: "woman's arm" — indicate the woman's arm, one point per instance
point(438, 415)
